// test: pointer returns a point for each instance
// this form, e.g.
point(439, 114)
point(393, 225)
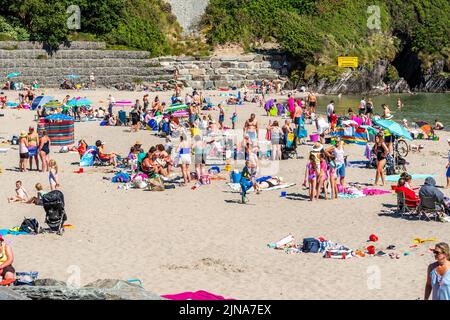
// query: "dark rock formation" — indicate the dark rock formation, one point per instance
point(9, 294)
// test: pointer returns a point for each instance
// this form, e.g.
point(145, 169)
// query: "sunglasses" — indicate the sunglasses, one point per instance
point(436, 252)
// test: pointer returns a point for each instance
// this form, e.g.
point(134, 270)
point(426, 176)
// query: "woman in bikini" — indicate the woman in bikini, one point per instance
point(270, 183)
point(332, 173)
point(381, 150)
point(44, 150)
point(311, 174)
point(33, 141)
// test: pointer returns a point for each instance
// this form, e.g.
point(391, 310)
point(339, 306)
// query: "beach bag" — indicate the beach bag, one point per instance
point(26, 278)
point(311, 245)
point(30, 226)
point(205, 179)
point(121, 177)
point(339, 253)
point(155, 184)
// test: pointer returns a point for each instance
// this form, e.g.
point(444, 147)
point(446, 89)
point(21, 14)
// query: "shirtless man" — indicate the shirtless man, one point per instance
point(297, 114)
point(251, 128)
point(312, 102)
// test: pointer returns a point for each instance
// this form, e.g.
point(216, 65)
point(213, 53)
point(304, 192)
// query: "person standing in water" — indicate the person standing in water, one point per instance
point(399, 103)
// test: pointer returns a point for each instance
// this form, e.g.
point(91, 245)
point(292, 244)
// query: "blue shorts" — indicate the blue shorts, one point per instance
point(252, 135)
point(448, 172)
point(221, 118)
point(340, 170)
point(32, 151)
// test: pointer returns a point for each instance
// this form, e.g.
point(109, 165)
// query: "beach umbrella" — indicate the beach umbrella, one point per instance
point(59, 117)
point(53, 104)
point(393, 127)
point(40, 101)
point(79, 102)
point(12, 75)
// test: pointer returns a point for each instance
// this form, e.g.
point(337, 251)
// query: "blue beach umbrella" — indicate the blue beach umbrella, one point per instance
point(59, 117)
point(12, 75)
point(394, 128)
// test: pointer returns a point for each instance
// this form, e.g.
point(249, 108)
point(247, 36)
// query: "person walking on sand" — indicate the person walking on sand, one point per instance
point(312, 103)
point(221, 116)
point(438, 277)
point(184, 152)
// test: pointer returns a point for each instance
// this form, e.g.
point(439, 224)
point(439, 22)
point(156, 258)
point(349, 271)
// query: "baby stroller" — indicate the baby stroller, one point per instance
point(55, 215)
point(289, 148)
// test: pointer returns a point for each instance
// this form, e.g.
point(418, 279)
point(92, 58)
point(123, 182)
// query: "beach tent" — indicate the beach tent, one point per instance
point(60, 129)
point(40, 101)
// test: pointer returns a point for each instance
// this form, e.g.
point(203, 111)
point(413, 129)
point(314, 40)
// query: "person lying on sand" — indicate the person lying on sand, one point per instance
point(270, 183)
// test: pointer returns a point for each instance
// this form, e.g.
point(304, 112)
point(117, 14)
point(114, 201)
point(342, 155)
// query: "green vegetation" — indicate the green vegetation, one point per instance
point(315, 33)
point(133, 24)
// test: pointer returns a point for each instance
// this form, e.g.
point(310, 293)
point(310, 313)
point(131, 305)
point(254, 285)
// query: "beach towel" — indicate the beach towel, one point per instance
point(350, 196)
point(198, 295)
point(236, 187)
point(87, 160)
point(394, 178)
point(357, 164)
point(5, 232)
point(121, 177)
point(374, 192)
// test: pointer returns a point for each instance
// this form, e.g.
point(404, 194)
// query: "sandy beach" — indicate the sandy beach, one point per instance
point(188, 240)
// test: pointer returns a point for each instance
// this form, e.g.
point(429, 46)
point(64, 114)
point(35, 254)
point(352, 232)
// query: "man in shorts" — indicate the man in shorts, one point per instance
point(312, 102)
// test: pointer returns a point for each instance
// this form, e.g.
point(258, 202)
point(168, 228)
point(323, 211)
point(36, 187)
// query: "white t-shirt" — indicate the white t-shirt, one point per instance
point(362, 104)
point(330, 109)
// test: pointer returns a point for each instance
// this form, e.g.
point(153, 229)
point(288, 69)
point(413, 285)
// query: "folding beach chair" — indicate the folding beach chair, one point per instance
point(404, 208)
point(123, 120)
point(428, 209)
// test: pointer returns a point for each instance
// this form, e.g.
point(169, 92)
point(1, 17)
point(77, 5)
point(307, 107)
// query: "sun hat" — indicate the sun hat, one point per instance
point(138, 143)
point(317, 147)
point(23, 134)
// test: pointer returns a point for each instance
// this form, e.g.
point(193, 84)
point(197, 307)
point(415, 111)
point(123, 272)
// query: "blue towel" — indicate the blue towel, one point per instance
point(4, 232)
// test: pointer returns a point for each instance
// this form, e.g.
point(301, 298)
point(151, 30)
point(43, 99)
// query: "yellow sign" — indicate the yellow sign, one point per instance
point(348, 62)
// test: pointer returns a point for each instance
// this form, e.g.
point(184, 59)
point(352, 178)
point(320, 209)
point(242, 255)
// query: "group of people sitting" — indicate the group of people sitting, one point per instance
point(156, 161)
point(415, 196)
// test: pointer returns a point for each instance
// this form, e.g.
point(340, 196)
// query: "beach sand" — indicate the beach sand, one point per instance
point(188, 240)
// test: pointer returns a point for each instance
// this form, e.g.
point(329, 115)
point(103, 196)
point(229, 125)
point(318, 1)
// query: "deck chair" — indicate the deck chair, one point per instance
point(428, 209)
point(404, 208)
point(123, 120)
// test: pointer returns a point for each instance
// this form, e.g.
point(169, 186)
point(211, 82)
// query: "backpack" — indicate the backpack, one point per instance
point(29, 226)
point(311, 245)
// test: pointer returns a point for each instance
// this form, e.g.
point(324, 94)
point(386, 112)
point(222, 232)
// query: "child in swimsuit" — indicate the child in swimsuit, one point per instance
point(21, 193)
point(322, 178)
point(311, 174)
point(53, 175)
point(332, 172)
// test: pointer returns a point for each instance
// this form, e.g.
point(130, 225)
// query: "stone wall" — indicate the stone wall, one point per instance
point(113, 67)
point(215, 72)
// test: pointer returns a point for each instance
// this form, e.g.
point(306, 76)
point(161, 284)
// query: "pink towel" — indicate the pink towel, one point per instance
point(374, 192)
point(198, 295)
